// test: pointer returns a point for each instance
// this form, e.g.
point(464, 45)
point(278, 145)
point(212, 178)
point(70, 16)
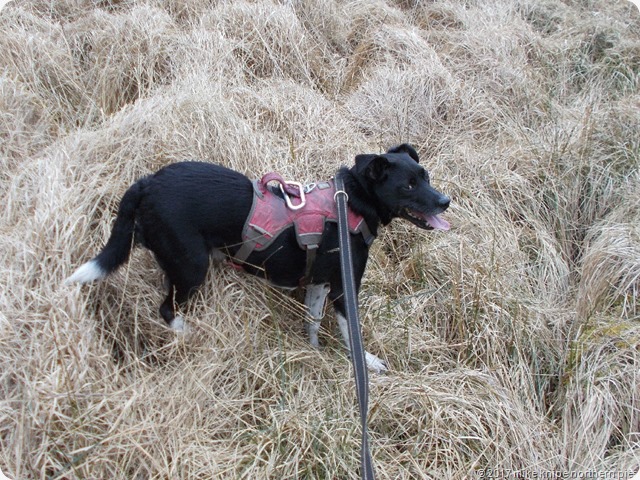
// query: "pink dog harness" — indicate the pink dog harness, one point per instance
point(271, 214)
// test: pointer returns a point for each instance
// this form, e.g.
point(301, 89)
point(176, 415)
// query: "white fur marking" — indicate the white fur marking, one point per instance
point(178, 325)
point(313, 327)
point(314, 299)
point(374, 363)
point(87, 272)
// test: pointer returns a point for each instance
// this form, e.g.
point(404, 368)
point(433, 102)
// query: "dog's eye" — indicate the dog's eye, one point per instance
point(413, 183)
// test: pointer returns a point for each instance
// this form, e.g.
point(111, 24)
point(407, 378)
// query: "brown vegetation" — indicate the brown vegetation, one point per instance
point(513, 340)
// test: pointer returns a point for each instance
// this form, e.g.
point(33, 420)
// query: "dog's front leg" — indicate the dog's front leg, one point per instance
point(374, 363)
point(314, 300)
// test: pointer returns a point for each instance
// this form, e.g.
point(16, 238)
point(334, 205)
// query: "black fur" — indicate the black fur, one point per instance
point(186, 210)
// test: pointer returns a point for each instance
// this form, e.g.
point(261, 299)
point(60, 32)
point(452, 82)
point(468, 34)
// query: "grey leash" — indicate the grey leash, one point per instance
point(358, 358)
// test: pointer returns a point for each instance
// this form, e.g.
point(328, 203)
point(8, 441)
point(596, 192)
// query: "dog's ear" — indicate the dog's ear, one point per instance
point(405, 148)
point(372, 167)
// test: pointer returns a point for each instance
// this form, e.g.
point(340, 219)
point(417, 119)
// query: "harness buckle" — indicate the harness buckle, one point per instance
point(287, 198)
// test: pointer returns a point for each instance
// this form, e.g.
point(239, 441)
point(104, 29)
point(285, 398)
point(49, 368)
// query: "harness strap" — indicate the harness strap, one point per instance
point(290, 188)
point(248, 246)
point(358, 358)
point(311, 258)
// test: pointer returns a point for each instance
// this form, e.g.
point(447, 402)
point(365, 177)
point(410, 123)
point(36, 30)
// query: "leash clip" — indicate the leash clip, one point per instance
point(287, 198)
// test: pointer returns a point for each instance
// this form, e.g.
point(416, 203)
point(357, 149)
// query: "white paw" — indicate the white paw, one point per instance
point(375, 364)
point(178, 325)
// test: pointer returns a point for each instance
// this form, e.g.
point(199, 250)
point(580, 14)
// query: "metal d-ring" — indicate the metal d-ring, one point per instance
point(335, 195)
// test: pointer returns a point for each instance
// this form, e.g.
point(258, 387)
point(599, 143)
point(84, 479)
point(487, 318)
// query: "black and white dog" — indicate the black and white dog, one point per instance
point(187, 211)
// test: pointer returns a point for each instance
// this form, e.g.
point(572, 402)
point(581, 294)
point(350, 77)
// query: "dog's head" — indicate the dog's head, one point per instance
point(401, 188)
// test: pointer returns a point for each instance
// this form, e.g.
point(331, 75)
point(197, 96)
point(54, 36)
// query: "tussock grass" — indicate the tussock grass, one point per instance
point(513, 339)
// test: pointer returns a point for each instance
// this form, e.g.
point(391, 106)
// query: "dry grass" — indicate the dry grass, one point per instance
point(513, 339)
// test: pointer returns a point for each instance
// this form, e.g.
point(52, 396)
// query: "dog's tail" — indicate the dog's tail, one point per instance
point(120, 243)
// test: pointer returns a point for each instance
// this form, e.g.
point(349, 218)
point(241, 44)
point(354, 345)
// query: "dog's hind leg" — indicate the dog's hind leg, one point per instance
point(168, 310)
point(314, 299)
point(184, 276)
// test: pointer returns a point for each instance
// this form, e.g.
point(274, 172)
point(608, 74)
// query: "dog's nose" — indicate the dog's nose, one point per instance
point(443, 202)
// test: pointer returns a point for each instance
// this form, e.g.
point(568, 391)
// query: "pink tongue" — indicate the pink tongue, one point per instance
point(438, 223)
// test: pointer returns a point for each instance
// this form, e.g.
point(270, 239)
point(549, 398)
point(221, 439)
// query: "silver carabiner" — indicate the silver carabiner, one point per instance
point(287, 199)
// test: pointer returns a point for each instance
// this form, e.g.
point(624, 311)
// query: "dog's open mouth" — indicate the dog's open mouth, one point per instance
point(427, 222)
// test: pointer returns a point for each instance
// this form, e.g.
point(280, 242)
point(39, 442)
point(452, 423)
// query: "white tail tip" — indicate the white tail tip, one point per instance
point(88, 272)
